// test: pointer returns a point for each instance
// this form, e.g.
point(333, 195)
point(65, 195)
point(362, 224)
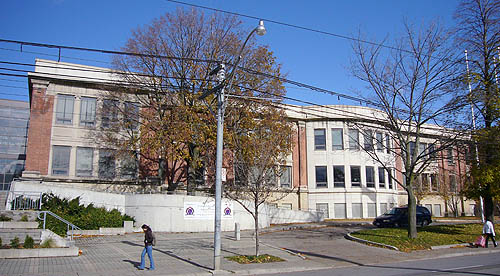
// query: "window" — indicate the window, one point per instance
point(368, 140)
point(380, 141)
point(425, 181)
point(353, 139)
point(357, 210)
point(422, 149)
point(383, 208)
point(128, 164)
point(286, 206)
point(321, 178)
point(87, 112)
point(434, 183)
point(322, 208)
point(355, 176)
point(431, 151)
point(131, 115)
point(372, 210)
point(338, 177)
point(109, 113)
point(84, 158)
point(286, 177)
point(319, 139)
point(60, 160)
point(388, 143)
point(449, 156)
point(412, 151)
point(64, 109)
point(389, 175)
point(453, 183)
point(370, 177)
point(106, 164)
point(337, 139)
point(381, 177)
point(339, 210)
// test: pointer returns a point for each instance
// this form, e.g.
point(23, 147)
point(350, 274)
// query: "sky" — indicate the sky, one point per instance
point(308, 57)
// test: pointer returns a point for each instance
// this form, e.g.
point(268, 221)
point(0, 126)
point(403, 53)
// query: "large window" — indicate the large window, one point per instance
point(357, 210)
point(355, 176)
point(370, 177)
point(380, 141)
point(368, 140)
point(128, 169)
point(107, 167)
point(109, 113)
point(338, 177)
point(319, 139)
point(353, 139)
point(337, 140)
point(131, 115)
point(286, 177)
point(449, 156)
point(412, 151)
point(389, 176)
point(60, 160)
point(64, 109)
point(388, 143)
point(84, 161)
point(87, 112)
point(323, 208)
point(434, 183)
point(381, 177)
point(321, 177)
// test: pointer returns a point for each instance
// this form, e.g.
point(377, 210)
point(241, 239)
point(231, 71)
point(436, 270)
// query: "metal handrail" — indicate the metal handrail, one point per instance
point(73, 227)
point(23, 200)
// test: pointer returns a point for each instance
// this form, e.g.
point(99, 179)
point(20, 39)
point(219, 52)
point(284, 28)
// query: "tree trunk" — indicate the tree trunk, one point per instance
point(412, 215)
point(256, 230)
point(489, 208)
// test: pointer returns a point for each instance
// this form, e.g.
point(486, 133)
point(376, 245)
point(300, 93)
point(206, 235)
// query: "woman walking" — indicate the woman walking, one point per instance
point(489, 232)
point(148, 247)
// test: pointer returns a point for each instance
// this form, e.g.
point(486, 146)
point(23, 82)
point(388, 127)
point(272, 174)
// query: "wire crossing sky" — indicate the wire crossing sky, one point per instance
point(320, 60)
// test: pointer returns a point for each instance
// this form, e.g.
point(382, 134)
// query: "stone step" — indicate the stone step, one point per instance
point(3, 199)
point(7, 235)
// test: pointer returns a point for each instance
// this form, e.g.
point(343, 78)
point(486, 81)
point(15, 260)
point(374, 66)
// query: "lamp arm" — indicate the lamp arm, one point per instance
point(230, 78)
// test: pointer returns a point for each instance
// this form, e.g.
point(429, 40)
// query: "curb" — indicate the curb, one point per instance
point(349, 237)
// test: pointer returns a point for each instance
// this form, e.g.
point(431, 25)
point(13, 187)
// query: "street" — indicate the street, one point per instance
point(485, 264)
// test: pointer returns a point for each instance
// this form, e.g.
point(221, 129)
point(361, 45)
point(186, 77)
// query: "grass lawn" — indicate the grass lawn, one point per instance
point(427, 236)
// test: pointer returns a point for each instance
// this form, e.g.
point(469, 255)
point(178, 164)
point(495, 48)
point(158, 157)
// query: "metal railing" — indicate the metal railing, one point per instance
point(68, 224)
point(22, 200)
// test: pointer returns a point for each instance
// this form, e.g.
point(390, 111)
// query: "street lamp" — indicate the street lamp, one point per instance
point(219, 90)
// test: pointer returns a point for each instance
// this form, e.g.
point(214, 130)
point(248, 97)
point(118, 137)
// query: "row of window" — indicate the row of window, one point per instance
point(65, 107)
point(371, 140)
point(108, 166)
point(339, 180)
point(340, 211)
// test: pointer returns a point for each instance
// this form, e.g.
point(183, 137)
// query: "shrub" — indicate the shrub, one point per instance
point(28, 242)
point(24, 218)
point(4, 218)
point(87, 218)
point(0, 242)
point(14, 243)
point(48, 243)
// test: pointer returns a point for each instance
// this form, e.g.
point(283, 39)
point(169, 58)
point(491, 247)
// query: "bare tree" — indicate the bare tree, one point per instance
point(410, 84)
point(478, 32)
point(259, 149)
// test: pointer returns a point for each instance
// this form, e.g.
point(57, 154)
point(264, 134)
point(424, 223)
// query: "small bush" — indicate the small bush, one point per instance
point(28, 242)
point(4, 218)
point(14, 243)
point(48, 243)
point(24, 218)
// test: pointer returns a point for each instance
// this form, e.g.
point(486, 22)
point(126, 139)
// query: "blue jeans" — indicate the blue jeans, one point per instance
point(148, 249)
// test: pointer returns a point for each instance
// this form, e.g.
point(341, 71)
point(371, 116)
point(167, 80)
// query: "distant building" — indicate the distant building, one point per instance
point(14, 116)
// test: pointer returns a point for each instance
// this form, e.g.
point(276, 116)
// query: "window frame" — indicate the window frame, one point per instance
point(371, 169)
point(322, 184)
point(355, 183)
point(60, 170)
point(338, 184)
point(283, 170)
point(65, 117)
point(341, 145)
point(381, 178)
point(85, 114)
point(353, 138)
point(319, 138)
point(85, 173)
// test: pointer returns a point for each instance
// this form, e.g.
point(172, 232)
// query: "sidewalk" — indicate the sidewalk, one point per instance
point(192, 254)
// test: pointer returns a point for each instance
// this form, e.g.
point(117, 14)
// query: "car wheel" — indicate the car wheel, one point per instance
point(425, 222)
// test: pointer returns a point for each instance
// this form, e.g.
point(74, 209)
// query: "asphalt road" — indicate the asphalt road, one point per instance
point(486, 264)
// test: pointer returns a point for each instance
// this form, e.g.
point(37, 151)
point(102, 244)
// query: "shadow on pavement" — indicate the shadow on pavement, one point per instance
point(169, 253)
point(134, 263)
point(324, 256)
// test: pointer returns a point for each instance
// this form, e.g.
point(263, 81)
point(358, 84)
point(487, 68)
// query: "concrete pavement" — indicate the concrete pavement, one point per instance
point(192, 253)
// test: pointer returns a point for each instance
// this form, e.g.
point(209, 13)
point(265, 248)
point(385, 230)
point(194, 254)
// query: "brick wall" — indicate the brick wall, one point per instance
point(39, 132)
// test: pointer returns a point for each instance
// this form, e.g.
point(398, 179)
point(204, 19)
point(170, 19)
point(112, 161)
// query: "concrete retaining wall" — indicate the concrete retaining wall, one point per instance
point(38, 253)
point(7, 234)
point(19, 224)
point(280, 216)
point(165, 212)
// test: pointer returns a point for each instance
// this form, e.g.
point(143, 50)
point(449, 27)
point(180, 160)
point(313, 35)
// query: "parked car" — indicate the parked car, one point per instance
point(398, 216)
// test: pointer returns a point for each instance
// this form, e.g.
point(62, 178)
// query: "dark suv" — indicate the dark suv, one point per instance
point(398, 216)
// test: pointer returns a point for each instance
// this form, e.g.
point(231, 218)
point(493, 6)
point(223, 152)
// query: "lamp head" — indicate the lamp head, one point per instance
point(261, 30)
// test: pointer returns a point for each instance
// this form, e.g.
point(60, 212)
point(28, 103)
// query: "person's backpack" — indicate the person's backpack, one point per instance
point(154, 239)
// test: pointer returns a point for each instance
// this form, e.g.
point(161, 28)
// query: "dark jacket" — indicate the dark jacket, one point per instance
point(148, 237)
